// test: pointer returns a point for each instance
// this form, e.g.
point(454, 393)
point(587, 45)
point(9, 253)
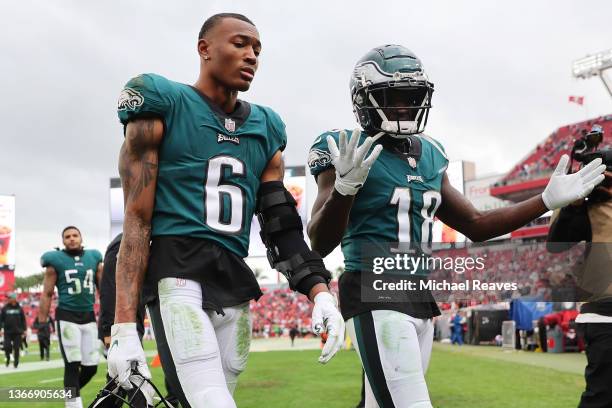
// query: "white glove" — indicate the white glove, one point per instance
point(125, 349)
point(351, 168)
point(325, 315)
point(563, 189)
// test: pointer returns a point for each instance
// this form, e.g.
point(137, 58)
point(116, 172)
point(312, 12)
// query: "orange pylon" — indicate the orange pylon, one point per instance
point(156, 362)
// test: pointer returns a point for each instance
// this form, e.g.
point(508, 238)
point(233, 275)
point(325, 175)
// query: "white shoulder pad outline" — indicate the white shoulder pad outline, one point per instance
point(435, 144)
point(326, 133)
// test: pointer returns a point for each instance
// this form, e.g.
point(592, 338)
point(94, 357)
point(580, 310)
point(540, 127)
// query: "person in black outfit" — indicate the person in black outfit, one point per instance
point(293, 332)
point(107, 295)
point(591, 221)
point(12, 321)
point(44, 331)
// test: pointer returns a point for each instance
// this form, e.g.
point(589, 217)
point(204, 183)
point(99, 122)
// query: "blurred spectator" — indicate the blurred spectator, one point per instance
point(292, 334)
point(13, 323)
point(457, 329)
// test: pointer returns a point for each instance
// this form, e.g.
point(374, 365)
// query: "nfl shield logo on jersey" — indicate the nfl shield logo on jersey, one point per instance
point(412, 162)
point(230, 125)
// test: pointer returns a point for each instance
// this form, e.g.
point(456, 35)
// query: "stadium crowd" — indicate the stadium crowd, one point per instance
point(541, 161)
point(536, 272)
point(280, 310)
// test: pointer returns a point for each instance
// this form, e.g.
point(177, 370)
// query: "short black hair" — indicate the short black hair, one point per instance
point(212, 21)
point(69, 228)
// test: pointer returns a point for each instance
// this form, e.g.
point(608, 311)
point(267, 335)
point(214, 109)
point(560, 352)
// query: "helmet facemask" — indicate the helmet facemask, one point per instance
point(396, 103)
point(398, 110)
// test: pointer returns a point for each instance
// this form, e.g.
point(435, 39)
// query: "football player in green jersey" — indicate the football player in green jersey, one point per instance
point(197, 163)
point(392, 195)
point(73, 270)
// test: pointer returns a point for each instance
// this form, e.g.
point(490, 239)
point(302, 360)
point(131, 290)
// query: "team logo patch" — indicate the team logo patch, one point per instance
point(230, 125)
point(223, 138)
point(318, 157)
point(129, 99)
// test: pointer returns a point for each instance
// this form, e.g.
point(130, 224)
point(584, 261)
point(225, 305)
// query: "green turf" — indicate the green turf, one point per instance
point(34, 355)
point(293, 379)
point(468, 380)
point(34, 352)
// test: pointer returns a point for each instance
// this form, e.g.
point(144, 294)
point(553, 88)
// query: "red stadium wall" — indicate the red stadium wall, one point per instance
point(7, 280)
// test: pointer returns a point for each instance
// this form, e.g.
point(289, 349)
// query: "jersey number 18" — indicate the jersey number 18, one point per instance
point(402, 199)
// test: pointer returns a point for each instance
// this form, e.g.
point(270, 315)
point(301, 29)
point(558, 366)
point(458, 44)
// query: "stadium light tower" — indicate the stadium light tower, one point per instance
point(594, 65)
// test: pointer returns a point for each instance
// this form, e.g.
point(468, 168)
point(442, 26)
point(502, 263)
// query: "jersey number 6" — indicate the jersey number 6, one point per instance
point(224, 201)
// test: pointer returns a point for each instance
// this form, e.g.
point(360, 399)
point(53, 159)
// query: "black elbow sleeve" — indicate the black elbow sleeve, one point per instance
point(282, 234)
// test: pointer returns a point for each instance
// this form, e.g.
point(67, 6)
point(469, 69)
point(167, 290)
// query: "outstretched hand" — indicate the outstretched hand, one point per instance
point(562, 188)
point(352, 167)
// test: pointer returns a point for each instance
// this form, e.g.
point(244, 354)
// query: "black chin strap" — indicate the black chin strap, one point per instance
point(405, 148)
point(75, 252)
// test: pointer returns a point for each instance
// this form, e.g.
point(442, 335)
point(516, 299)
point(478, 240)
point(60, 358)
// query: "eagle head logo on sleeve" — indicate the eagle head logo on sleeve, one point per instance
point(129, 99)
point(318, 157)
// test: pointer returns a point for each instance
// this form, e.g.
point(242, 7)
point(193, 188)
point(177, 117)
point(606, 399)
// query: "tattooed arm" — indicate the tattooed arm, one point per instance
point(138, 170)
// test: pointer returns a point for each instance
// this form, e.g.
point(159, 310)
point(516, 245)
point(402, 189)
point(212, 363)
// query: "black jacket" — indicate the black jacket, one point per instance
point(12, 319)
point(108, 290)
point(571, 226)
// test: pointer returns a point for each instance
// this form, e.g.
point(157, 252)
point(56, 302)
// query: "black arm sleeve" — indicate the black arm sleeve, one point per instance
point(282, 233)
point(571, 226)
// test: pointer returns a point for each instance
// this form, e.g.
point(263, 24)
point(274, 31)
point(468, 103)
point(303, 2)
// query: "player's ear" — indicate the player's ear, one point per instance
point(203, 47)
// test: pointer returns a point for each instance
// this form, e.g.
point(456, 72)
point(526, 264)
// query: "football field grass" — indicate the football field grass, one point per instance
point(458, 377)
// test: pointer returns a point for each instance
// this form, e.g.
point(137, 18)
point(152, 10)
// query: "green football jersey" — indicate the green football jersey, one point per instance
point(210, 162)
point(75, 278)
point(397, 202)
